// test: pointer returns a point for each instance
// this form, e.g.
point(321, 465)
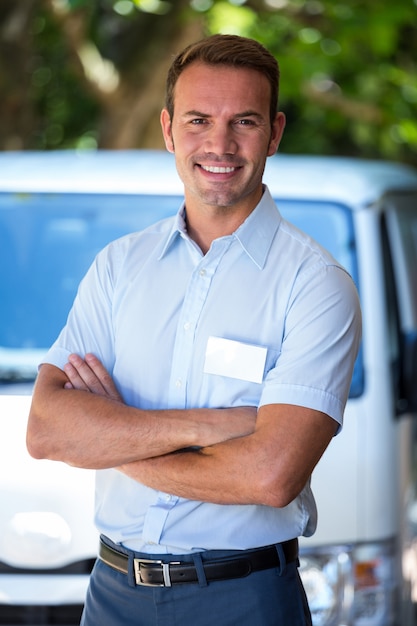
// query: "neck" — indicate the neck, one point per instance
point(205, 230)
point(205, 223)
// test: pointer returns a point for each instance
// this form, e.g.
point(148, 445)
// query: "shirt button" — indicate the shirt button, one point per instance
point(202, 272)
point(178, 383)
point(187, 326)
point(167, 498)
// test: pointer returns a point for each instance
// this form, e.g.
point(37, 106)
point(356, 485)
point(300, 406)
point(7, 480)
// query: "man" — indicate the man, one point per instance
point(230, 338)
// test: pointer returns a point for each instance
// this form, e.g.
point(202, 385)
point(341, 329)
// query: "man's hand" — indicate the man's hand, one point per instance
point(89, 374)
point(78, 416)
point(246, 456)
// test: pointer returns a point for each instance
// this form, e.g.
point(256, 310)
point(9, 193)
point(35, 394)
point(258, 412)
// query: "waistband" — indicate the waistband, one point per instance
point(160, 573)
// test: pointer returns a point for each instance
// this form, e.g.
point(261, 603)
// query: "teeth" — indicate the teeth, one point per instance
point(217, 170)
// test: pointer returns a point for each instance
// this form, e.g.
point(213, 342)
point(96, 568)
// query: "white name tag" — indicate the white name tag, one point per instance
point(234, 359)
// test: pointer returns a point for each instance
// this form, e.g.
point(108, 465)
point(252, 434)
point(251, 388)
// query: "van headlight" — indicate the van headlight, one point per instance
point(376, 584)
point(323, 576)
point(36, 539)
point(351, 584)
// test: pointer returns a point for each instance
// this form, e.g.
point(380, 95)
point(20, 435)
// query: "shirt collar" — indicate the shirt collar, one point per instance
point(178, 229)
point(257, 232)
point(255, 235)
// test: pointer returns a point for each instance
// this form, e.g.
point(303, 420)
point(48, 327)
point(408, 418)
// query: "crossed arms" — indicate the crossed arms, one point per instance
point(245, 456)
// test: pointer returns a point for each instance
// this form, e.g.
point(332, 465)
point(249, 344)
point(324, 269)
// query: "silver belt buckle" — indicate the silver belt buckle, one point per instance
point(165, 572)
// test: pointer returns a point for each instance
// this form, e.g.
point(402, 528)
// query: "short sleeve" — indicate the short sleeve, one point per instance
point(89, 323)
point(321, 340)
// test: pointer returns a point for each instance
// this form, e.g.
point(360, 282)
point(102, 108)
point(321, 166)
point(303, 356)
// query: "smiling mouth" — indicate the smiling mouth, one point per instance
point(215, 169)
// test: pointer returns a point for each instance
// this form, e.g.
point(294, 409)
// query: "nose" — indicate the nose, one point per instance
point(221, 139)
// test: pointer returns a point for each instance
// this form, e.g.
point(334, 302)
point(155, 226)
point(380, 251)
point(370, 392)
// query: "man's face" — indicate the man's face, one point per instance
point(221, 135)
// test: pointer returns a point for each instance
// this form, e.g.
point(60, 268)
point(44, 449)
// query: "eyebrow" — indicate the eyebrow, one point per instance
point(194, 113)
point(248, 113)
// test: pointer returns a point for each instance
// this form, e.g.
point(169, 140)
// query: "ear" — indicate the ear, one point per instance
point(167, 130)
point(276, 133)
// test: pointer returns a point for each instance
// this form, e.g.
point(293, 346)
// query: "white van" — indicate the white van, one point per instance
point(359, 568)
point(57, 209)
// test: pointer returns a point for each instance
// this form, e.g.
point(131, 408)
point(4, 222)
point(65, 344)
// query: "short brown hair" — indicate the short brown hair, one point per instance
point(228, 50)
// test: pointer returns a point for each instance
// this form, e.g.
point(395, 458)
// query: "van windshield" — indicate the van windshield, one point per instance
point(48, 241)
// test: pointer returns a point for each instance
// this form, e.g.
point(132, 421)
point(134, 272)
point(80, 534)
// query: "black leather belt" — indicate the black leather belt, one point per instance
point(157, 573)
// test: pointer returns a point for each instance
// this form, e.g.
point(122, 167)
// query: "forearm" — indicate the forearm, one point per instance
point(207, 475)
point(267, 467)
point(91, 430)
point(96, 432)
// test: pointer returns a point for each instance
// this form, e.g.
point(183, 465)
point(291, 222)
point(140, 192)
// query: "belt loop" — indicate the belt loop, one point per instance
point(131, 570)
point(201, 574)
point(282, 560)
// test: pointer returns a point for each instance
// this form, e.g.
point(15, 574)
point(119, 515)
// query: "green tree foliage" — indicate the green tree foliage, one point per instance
point(87, 73)
point(349, 79)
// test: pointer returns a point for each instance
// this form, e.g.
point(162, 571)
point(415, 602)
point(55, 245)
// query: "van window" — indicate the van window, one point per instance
point(329, 224)
point(48, 241)
point(402, 231)
point(393, 339)
point(401, 227)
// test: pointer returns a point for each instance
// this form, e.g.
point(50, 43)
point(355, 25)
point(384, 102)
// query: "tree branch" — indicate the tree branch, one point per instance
point(353, 109)
point(99, 75)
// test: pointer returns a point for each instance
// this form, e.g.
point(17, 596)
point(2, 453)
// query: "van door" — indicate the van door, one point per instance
point(401, 226)
point(400, 234)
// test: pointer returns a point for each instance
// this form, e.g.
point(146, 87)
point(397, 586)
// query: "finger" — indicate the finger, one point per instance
point(74, 379)
point(83, 377)
point(103, 376)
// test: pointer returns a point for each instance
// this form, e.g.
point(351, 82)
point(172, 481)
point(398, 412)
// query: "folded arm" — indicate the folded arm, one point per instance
point(78, 417)
point(268, 464)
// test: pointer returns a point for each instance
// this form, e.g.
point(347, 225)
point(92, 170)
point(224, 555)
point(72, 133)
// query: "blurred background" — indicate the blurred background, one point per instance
point(90, 73)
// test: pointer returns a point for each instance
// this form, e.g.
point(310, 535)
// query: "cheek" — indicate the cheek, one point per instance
point(186, 143)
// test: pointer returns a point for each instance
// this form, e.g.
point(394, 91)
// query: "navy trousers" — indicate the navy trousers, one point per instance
point(273, 597)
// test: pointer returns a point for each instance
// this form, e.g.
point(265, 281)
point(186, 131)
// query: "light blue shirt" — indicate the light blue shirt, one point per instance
point(147, 307)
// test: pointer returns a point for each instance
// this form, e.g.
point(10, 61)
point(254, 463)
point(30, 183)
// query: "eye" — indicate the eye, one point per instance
point(198, 120)
point(245, 121)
